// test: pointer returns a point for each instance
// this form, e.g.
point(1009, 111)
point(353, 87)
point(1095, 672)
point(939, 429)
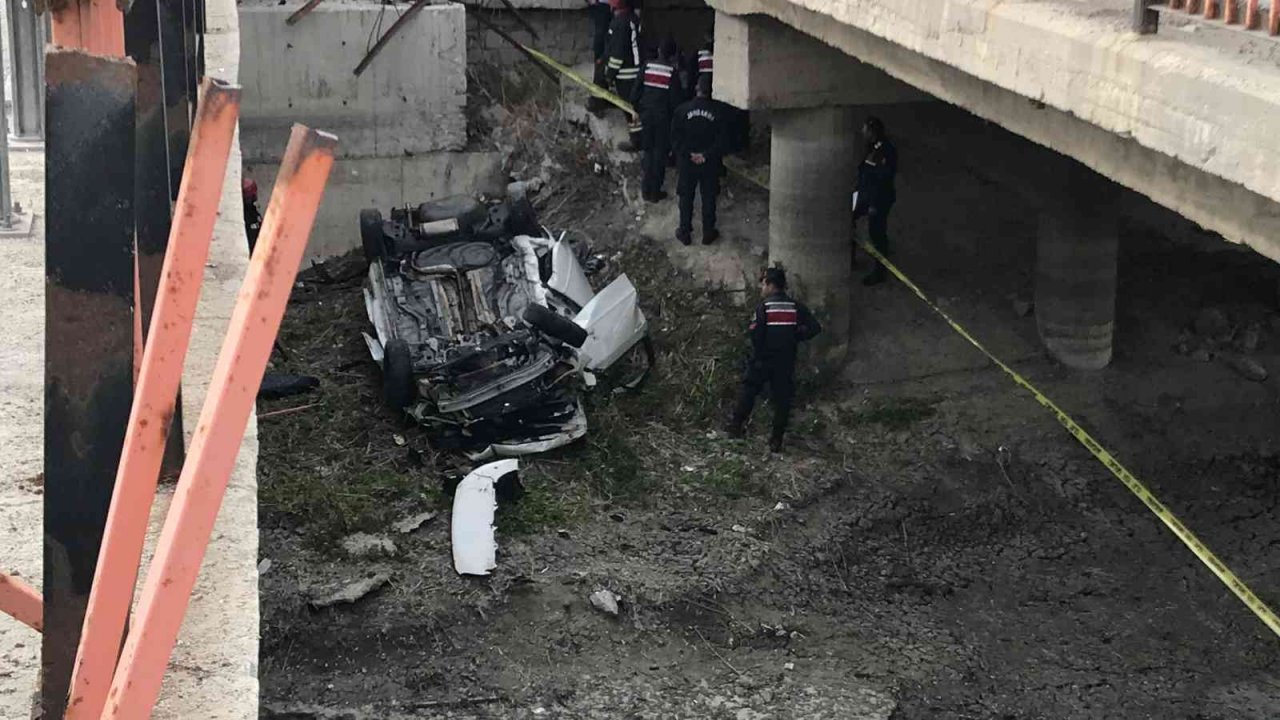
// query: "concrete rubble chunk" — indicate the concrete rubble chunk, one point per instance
point(1247, 368)
point(364, 545)
point(351, 592)
point(1211, 322)
point(413, 522)
point(1248, 340)
point(605, 601)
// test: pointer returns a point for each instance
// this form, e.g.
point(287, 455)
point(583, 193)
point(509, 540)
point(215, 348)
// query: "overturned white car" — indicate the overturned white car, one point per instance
point(487, 327)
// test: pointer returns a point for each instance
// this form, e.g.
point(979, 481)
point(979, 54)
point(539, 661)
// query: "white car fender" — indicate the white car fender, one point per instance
point(475, 551)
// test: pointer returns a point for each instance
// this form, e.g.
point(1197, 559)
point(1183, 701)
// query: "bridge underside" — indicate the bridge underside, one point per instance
point(813, 73)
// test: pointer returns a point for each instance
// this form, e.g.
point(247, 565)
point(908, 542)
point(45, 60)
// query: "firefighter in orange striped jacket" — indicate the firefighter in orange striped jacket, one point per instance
point(655, 97)
point(777, 328)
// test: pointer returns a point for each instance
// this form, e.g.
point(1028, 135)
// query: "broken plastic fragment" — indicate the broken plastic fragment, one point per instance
point(474, 548)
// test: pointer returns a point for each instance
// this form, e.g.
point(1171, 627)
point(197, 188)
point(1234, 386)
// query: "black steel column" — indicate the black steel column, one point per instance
point(27, 36)
point(89, 189)
point(178, 94)
point(152, 197)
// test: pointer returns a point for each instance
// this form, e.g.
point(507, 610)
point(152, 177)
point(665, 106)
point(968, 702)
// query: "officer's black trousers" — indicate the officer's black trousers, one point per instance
point(780, 377)
point(877, 231)
point(703, 179)
point(595, 104)
point(657, 144)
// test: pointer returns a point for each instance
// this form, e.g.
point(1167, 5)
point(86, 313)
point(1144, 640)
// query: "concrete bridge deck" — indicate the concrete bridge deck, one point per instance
point(1186, 118)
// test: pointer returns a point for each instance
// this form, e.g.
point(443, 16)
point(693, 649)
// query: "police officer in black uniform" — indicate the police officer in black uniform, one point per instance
point(777, 328)
point(654, 97)
point(697, 133)
point(599, 15)
point(877, 191)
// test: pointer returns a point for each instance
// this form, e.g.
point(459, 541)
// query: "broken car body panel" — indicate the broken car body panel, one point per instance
point(475, 550)
point(614, 324)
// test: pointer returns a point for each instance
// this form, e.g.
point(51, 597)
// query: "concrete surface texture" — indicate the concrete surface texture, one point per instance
point(762, 64)
point(409, 100)
point(383, 183)
point(213, 671)
point(1178, 120)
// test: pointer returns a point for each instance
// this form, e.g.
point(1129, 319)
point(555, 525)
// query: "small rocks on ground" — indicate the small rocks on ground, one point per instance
point(364, 545)
point(1201, 354)
point(605, 601)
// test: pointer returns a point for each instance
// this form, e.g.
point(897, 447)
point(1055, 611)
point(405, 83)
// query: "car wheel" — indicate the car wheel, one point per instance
point(371, 236)
point(557, 326)
point(397, 374)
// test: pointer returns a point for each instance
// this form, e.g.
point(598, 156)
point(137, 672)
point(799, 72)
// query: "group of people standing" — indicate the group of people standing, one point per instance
point(678, 122)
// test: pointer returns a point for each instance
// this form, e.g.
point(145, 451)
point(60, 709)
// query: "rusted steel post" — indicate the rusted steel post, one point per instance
point(1210, 9)
point(96, 26)
point(1252, 19)
point(153, 194)
point(21, 602)
point(1231, 11)
point(1274, 26)
point(255, 321)
point(89, 278)
point(1145, 20)
point(153, 406)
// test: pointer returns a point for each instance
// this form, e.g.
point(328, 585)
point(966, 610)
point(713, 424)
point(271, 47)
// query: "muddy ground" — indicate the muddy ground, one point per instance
point(931, 544)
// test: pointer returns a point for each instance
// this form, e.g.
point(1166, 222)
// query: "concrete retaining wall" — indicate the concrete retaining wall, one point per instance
point(383, 183)
point(410, 99)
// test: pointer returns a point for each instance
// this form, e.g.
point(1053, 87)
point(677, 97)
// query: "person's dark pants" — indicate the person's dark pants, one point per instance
point(656, 141)
point(780, 377)
point(595, 104)
point(703, 179)
point(877, 231)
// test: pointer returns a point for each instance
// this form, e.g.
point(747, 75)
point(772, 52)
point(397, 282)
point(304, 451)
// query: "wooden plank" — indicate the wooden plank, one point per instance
point(89, 276)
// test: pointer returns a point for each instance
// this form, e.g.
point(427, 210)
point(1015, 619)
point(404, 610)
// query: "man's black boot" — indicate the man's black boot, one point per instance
point(710, 236)
point(684, 236)
point(775, 444)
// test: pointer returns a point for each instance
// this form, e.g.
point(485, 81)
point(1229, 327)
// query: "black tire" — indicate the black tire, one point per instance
point(466, 209)
point(371, 236)
point(557, 326)
point(397, 374)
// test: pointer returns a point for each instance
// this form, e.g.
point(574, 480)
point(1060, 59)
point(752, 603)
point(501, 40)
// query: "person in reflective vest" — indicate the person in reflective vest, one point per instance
point(655, 98)
point(599, 15)
point(778, 326)
point(624, 48)
point(697, 133)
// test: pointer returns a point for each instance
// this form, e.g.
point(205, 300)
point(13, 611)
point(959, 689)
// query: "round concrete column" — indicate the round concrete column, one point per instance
point(813, 160)
point(1076, 271)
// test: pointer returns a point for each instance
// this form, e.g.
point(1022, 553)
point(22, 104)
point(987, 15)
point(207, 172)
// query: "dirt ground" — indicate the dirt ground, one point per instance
point(930, 545)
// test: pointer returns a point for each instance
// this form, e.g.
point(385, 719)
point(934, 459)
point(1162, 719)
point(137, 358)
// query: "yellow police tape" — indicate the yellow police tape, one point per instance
point(577, 79)
point(1188, 538)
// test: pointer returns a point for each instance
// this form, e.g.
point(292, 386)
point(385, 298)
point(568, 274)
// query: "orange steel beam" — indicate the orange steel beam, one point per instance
point(1251, 16)
point(153, 404)
point(242, 361)
point(1231, 11)
point(22, 602)
point(1210, 9)
point(96, 26)
point(1274, 28)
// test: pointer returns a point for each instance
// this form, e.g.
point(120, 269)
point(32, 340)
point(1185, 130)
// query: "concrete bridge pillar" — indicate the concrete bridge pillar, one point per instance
point(813, 161)
point(1076, 271)
point(814, 91)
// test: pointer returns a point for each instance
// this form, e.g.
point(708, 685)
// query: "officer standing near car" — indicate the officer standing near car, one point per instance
point(624, 54)
point(698, 135)
point(655, 98)
point(876, 191)
point(599, 15)
point(777, 328)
